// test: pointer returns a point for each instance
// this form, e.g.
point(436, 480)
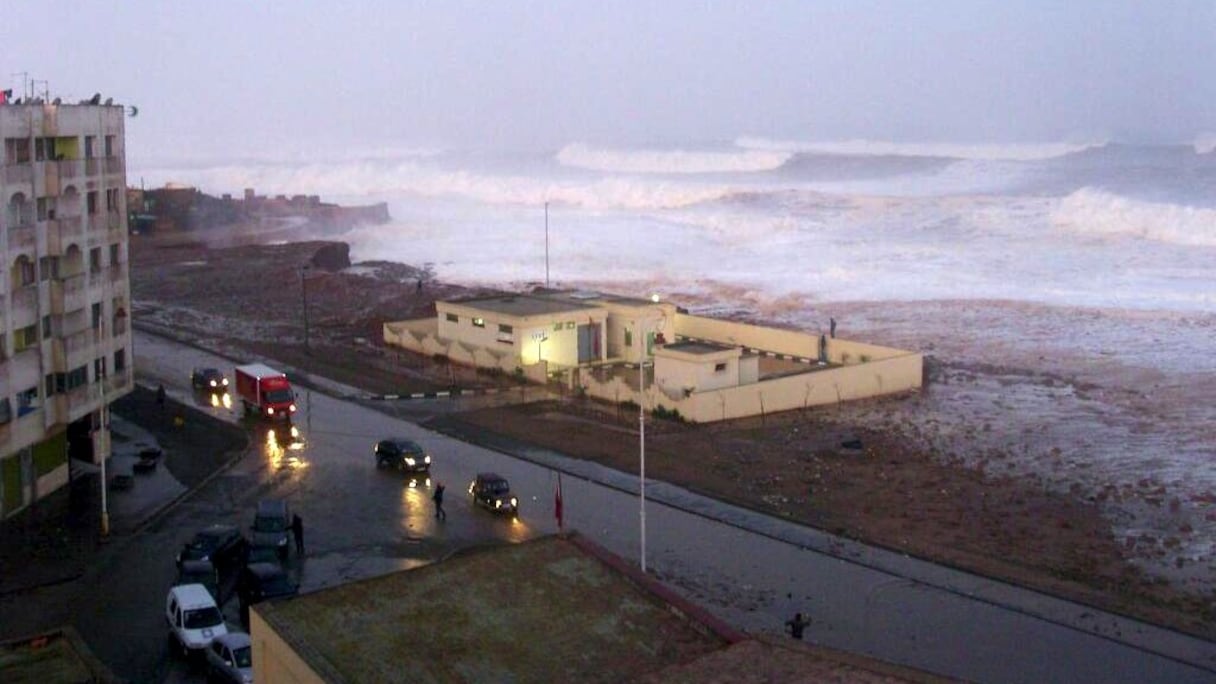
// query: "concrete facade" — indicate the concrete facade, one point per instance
point(65, 343)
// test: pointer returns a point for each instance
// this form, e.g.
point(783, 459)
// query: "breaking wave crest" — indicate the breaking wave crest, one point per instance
point(379, 180)
point(1009, 152)
point(1095, 212)
point(582, 156)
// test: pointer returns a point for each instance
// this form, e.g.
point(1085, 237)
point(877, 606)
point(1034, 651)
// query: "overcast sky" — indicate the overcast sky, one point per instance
point(238, 78)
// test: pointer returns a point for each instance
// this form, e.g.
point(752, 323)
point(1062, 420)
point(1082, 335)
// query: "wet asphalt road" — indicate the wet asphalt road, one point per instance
point(361, 521)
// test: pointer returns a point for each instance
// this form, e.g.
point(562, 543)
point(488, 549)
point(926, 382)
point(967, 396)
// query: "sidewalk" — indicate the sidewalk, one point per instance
point(55, 539)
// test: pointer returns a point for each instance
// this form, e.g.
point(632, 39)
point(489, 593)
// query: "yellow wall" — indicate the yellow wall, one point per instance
point(676, 372)
point(274, 661)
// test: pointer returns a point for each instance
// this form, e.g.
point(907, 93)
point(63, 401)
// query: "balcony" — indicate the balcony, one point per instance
point(114, 165)
point(73, 350)
point(92, 166)
point(22, 237)
point(54, 238)
point(18, 173)
point(25, 305)
point(68, 294)
point(69, 168)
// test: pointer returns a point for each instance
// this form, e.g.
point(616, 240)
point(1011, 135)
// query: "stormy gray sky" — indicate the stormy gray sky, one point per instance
point(236, 78)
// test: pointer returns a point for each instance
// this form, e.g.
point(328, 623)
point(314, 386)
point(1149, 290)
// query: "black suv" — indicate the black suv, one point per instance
point(222, 545)
point(402, 453)
point(208, 379)
point(260, 582)
point(493, 492)
point(272, 525)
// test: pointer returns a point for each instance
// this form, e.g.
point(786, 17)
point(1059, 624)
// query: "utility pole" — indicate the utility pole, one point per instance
point(546, 245)
point(304, 302)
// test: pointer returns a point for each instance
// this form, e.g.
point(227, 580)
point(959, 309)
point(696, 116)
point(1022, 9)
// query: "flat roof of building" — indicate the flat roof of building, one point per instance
point(524, 305)
point(593, 296)
point(542, 610)
point(698, 347)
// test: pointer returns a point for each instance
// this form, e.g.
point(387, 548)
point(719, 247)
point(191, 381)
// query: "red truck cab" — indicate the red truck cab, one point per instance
point(265, 390)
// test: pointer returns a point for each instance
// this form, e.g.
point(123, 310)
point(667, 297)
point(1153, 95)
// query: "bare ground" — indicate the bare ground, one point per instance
point(927, 480)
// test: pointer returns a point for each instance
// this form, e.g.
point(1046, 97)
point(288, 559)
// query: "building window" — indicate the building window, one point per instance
point(27, 401)
point(25, 338)
point(719, 367)
point(99, 368)
point(49, 382)
point(453, 318)
point(46, 208)
point(628, 337)
point(91, 202)
point(90, 142)
point(48, 268)
point(6, 411)
point(78, 377)
point(114, 254)
point(479, 322)
point(503, 328)
point(44, 149)
point(109, 146)
point(112, 199)
point(96, 311)
point(23, 271)
point(46, 327)
point(569, 325)
point(17, 150)
point(95, 260)
point(120, 360)
point(557, 327)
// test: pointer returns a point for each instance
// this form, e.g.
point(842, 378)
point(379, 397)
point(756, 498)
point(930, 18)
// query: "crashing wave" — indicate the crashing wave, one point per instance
point(582, 156)
point(1095, 212)
point(1009, 152)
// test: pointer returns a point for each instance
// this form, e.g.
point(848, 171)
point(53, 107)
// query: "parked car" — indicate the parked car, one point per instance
point(209, 379)
point(402, 453)
point(223, 545)
point(262, 554)
point(272, 525)
point(230, 658)
point(260, 582)
point(492, 492)
point(194, 618)
point(200, 572)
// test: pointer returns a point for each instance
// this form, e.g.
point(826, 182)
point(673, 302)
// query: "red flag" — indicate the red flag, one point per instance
point(557, 502)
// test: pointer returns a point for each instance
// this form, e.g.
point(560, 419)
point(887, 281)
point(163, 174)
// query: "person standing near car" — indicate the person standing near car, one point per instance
point(297, 531)
point(438, 499)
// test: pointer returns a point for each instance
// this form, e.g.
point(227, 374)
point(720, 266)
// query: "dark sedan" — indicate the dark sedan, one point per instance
point(261, 582)
point(402, 453)
point(222, 545)
point(209, 379)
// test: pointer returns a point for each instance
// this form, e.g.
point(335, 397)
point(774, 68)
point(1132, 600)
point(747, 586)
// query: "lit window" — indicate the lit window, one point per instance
point(479, 322)
point(569, 325)
point(503, 328)
point(720, 368)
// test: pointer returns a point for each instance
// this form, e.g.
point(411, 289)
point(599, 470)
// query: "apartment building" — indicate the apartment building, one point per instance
point(65, 341)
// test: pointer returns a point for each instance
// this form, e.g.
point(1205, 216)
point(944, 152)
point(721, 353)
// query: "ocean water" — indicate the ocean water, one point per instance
point(1103, 225)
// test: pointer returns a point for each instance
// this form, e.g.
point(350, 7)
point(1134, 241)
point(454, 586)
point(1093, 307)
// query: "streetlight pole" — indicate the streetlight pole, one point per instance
point(642, 446)
point(546, 244)
point(304, 298)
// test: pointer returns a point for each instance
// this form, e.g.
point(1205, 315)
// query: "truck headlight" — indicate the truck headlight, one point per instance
point(426, 459)
point(213, 383)
point(497, 503)
point(270, 410)
point(292, 408)
point(409, 461)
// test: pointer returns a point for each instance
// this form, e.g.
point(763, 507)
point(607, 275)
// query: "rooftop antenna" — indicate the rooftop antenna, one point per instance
point(46, 88)
point(546, 245)
point(25, 83)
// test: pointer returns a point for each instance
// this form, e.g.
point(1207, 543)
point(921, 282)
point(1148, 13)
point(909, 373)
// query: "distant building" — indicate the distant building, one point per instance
point(704, 369)
point(65, 344)
point(554, 609)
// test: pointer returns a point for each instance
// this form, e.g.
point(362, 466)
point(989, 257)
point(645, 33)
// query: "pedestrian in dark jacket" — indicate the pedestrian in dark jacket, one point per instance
point(795, 626)
point(437, 497)
point(297, 531)
point(160, 397)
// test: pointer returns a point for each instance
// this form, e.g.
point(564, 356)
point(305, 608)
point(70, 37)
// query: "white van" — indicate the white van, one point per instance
point(194, 618)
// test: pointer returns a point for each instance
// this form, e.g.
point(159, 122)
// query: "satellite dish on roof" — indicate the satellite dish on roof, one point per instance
point(132, 111)
point(109, 101)
point(96, 99)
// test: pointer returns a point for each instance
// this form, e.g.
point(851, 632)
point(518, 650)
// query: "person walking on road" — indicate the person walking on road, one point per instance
point(437, 497)
point(297, 531)
point(797, 625)
point(160, 397)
